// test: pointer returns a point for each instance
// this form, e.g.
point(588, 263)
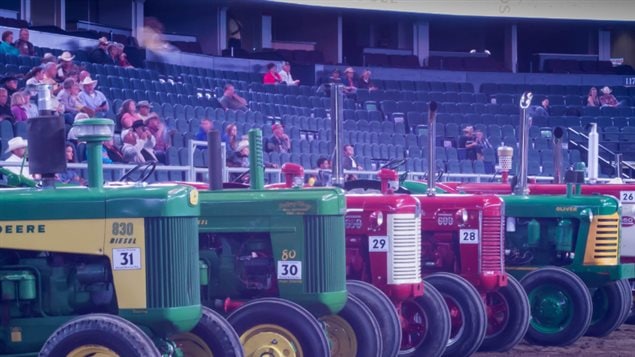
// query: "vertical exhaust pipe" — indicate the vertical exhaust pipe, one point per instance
point(215, 166)
point(618, 165)
point(525, 122)
point(337, 131)
point(558, 133)
point(432, 134)
point(592, 157)
point(256, 162)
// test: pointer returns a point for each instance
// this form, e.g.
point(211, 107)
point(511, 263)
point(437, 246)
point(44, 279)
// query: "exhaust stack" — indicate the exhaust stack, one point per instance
point(594, 147)
point(256, 162)
point(337, 131)
point(215, 167)
point(432, 134)
point(558, 133)
point(525, 122)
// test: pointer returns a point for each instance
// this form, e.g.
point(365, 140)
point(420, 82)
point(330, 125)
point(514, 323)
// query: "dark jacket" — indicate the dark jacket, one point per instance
point(100, 56)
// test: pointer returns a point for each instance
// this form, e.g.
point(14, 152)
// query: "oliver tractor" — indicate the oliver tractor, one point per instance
point(276, 262)
point(108, 271)
point(565, 249)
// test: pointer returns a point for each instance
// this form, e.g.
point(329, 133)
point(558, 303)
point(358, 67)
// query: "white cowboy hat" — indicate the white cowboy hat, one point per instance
point(349, 69)
point(16, 143)
point(241, 145)
point(606, 90)
point(66, 56)
point(88, 80)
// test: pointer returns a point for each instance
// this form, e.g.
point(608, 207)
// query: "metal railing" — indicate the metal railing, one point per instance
point(617, 164)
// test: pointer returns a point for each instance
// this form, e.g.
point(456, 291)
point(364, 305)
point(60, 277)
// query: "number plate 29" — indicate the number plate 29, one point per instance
point(377, 244)
point(468, 236)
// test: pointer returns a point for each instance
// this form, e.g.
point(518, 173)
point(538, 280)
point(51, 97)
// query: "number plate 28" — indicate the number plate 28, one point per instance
point(468, 236)
point(378, 244)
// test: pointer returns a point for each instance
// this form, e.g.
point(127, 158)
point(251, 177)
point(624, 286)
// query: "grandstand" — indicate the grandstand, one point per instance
point(472, 89)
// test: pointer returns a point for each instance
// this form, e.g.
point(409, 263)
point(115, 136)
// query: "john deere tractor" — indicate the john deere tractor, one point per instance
point(277, 266)
point(88, 271)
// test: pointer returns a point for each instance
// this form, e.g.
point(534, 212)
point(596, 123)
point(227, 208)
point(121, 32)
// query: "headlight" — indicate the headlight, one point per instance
point(462, 215)
point(377, 218)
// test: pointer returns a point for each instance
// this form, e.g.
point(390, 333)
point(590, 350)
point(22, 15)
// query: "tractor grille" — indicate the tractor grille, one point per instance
point(172, 270)
point(603, 241)
point(325, 269)
point(404, 257)
point(492, 238)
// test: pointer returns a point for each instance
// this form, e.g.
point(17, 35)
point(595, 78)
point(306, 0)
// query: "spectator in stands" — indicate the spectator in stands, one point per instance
point(161, 135)
point(349, 81)
point(18, 107)
point(272, 76)
point(100, 53)
point(127, 116)
point(6, 46)
point(607, 99)
point(82, 75)
point(114, 52)
point(139, 144)
point(35, 76)
point(70, 175)
point(365, 82)
point(92, 98)
point(592, 99)
point(240, 158)
point(5, 106)
point(285, 75)
point(231, 100)
point(230, 138)
point(543, 110)
point(234, 27)
point(481, 143)
point(17, 147)
point(349, 162)
point(23, 45)
point(67, 68)
point(143, 108)
point(111, 153)
point(204, 127)
point(323, 176)
point(335, 76)
point(48, 57)
point(122, 60)
point(69, 98)
point(468, 142)
point(50, 77)
point(279, 141)
point(10, 83)
point(72, 133)
point(31, 107)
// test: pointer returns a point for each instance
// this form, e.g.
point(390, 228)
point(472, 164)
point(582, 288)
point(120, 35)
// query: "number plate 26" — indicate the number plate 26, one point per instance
point(378, 244)
point(627, 196)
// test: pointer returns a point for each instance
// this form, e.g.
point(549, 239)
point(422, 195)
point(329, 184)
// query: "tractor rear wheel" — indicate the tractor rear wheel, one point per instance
point(628, 298)
point(561, 306)
point(99, 334)
point(354, 331)
point(467, 313)
point(609, 308)
point(630, 319)
point(508, 316)
point(384, 311)
point(212, 336)
point(280, 328)
point(426, 324)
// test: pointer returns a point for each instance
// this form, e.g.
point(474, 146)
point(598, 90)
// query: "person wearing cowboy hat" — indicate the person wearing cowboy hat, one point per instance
point(92, 98)
point(17, 147)
point(67, 69)
point(607, 99)
point(138, 144)
point(100, 53)
point(349, 81)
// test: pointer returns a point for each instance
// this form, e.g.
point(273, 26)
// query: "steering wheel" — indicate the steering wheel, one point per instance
point(147, 168)
point(394, 164)
point(366, 186)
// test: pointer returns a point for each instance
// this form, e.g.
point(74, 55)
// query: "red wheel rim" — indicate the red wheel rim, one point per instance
point(456, 318)
point(414, 325)
point(497, 313)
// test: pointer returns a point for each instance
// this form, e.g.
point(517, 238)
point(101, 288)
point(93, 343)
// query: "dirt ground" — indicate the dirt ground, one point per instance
point(619, 343)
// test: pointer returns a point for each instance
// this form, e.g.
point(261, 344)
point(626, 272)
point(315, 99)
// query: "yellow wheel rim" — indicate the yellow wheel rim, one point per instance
point(191, 345)
point(269, 340)
point(341, 335)
point(92, 351)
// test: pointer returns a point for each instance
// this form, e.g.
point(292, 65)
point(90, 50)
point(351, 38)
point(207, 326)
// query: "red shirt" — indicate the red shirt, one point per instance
point(271, 78)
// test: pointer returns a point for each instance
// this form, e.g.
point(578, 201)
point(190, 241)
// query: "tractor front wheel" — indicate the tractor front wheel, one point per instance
point(467, 313)
point(99, 335)
point(630, 319)
point(384, 311)
point(508, 315)
point(277, 327)
point(354, 331)
point(561, 306)
point(610, 304)
point(212, 336)
point(426, 324)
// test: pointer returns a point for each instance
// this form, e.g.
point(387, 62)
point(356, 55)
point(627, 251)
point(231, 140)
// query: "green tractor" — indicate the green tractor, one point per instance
point(565, 251)
point(87, 271)
point(277, 266)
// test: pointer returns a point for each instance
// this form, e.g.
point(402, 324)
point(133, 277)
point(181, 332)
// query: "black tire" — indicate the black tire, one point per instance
point(609, 308)
point(630, 319)
point(462, 297)
point(362, 326)
point(435, 318)
point(214, 331)
point(286, 314)
point(505, 332)
point(628, 298)
point(108, 331)
point(570, 292)
point(384, 312)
